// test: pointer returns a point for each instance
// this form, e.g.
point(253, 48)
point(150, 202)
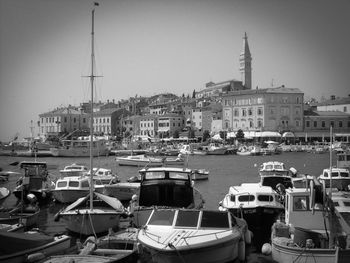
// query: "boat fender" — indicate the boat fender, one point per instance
point(266, 249)
point(312, 196)
point(241, 250)
point(35, 257)
point(248, 237)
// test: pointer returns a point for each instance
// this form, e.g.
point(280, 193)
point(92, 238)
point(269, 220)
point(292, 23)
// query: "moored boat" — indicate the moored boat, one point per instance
point(22, 247)
point(200, 174)
point(259, 205)
point(179, 235)
point(142, 161)
point(164, 187)
point(73, 170)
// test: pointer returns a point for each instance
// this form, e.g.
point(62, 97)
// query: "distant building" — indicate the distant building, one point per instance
point(108, 121)
point(63, 121)
point(273, 109)
point(334, 104)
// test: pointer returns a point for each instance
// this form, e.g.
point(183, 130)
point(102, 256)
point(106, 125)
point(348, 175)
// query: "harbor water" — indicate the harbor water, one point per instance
point(225, 171)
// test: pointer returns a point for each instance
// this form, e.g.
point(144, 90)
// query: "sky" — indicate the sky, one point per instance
point(147, 47)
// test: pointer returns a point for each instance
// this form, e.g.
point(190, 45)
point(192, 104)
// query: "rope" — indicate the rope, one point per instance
point(92, 226)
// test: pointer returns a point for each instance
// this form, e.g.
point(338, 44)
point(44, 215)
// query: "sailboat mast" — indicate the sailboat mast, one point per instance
point(92, 106)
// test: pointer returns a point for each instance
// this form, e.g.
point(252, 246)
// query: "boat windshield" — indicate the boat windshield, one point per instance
point(187, 218)
point(177, 175)
point(154, 175)
point(214, 219)
point(162, 218)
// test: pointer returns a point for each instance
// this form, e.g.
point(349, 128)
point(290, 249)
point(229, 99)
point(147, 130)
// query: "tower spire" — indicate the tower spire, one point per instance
point(245, 60)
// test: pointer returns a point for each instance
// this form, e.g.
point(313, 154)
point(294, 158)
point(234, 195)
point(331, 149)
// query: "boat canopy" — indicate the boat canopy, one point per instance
point(113, 202)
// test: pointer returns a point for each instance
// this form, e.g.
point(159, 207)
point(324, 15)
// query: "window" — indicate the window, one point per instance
point(332, 123)
point(345, 109)
point(340, 124)
point(307, 123)
point(250, 111)
point(300, 203)
point(236, 112)
point(246, 198)
point(297, 123)
point(244, 112)
point(265, 198)
point(323, 124)
point(315, 124)
point(260, 111)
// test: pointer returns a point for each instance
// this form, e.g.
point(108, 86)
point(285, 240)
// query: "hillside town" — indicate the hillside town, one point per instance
point(223, 106)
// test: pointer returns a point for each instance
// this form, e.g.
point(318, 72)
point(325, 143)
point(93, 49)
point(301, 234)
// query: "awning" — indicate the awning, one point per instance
point(288, 134)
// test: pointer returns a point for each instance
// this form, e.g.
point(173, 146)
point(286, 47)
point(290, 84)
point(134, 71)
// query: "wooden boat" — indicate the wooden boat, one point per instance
point(312, 233)
point(21, 247)
point(95, 213)
point(27, 215)
point(164, 187)
point(200, 174)
point(243, 151)
point(34, 181)
point(81, 148)
point(179, 235)
point(215, 149)
point(104, 214)
point(142, 161)
point(259, 205)
point(114, 247)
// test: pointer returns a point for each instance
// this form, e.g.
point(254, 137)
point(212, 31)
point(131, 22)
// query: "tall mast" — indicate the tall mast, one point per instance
point(92, 76)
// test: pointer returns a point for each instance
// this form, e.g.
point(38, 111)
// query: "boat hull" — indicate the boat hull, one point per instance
point(259, 221)
point(77, 152)
point(85, 222)
point(69, 195)
point(59, 245)
point(220, 251)
point(286, 254)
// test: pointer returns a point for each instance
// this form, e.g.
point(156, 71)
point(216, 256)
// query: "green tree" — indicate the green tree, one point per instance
point(206, 135)
point(239, 135)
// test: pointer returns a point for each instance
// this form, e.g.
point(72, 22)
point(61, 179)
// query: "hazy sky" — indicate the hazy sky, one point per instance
point(146, 47)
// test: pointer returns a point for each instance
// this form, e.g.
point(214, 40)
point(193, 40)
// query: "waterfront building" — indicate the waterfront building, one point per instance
point(62, 121)
point(317, 125)
point(108, 121)
point(169, 123)
point(131, 124)
point(148, 125)
point(272, 109)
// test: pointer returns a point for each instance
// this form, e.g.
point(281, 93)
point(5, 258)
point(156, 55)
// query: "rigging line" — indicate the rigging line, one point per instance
point(92, 226)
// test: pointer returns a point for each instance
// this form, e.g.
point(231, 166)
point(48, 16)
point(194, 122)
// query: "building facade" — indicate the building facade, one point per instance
point(273, 109)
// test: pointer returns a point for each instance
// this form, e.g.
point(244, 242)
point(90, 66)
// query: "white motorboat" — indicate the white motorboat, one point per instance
point(142, 161)
point(69, 189)
point(164, 187)
point(73, 170)
point(339, 177)
point(273, 173)
point(259, 205)
point(178, 235)
point(215, 149)
point(81, 148)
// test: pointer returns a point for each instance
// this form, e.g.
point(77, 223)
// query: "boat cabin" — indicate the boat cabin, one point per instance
point(74, 170)
point(300, 211)
point(73, 182)
point(340, 178)
point(34, 174)
point(166, 186)
point(274, 173)
point(251, 195)
point(343, 159)
point(273, 168)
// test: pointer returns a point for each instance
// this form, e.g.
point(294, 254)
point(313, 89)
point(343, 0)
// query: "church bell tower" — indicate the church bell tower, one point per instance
point(245, 64)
